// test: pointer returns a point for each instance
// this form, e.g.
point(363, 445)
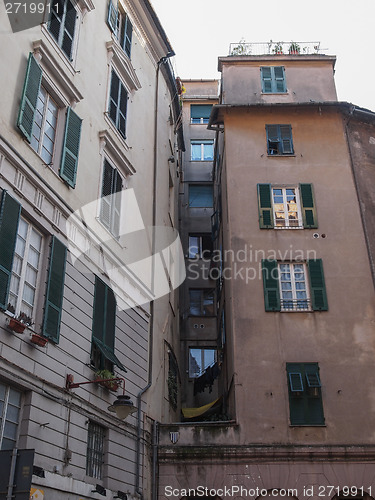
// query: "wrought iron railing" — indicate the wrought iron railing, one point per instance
point(295, 305)
point(243, 48)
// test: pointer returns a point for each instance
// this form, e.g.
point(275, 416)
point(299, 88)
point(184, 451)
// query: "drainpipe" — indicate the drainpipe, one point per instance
point(138, 488)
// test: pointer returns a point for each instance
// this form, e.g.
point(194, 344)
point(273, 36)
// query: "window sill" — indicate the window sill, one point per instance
point(115, 130)
point(307, 425)
point(69, 64)
point(274, 93)
point(289, 155)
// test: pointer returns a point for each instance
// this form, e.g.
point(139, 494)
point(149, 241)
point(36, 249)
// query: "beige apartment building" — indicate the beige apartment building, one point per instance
point(295, 297)
point(90, 150)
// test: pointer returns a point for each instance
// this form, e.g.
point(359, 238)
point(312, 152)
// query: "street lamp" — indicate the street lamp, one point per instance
point(122, 406)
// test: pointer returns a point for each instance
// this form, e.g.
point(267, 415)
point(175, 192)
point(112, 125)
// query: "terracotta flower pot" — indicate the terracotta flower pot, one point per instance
point(38, 340)
point(16, 326)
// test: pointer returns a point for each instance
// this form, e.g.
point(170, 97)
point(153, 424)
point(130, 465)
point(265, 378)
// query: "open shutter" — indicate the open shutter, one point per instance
point(112, 16)
point(295, 382)
point(265, 206)
point(98, 320)
point(317, 285)
point(10, 211)
point(271, 285)
point(110, 320)
point(273, 139)
point(308, 206)
point(29, 97)
point(266, 76)
point(286, 139)
point(55, 291)
point(279, 79)
point(69, 157)
point(128, 36)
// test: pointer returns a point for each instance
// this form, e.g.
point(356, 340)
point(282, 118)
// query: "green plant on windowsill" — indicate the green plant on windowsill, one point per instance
point(104, 375)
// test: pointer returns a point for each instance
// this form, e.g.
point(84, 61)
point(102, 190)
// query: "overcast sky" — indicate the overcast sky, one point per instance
point(201, 30)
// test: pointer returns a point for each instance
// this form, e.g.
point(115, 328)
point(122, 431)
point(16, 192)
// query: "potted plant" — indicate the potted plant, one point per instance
point(18, 323)
point(294, 48)
point(106, 376)
point(278, 48)
point(38, 339)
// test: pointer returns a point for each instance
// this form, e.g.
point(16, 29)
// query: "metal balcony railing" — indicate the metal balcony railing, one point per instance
point(295, 305)
point(243, 48)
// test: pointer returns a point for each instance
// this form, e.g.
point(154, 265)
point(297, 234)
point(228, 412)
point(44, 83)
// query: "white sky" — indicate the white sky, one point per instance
point(201, 30)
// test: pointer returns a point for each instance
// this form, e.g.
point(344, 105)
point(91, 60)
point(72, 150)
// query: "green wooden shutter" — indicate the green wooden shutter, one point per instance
point(314, 403)
point(308, 206)
point(69, 157)
point(279, 79)
point(128, 36)
point(265, 206)
point(10, 211)
point(297, 400)
point(110, 323)
point(285, 132)
point(317, 285)
point(266, 77)
point(98, 321)
point(271, 285)
point(29, 97)
point(112, 16)
point(55, 290)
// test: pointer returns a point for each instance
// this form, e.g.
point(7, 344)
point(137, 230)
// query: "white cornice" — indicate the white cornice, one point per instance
point(123, 65)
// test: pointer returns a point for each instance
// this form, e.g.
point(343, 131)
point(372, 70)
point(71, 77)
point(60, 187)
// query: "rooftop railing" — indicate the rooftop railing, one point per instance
point(243, 48)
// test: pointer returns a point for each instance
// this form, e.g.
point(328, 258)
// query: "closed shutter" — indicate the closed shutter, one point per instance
point(271, 285)
point(265, 72)
point(308, 206)
point(29, 97)
point(112, 16)
point(55, 290)
point(106, 201)
point(297, 398)
point(286, 139)
point(123, 104)
point(279, 74)
point(314, 403)
point(317, 285)
point(69, 29)
point(110, 323)
point(128, 36)
point(10, 211)
point(265, 206)
point(116, 204)
point(69, 157)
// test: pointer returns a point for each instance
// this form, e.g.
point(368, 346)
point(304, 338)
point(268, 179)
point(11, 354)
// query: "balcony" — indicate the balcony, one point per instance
point(243, 48)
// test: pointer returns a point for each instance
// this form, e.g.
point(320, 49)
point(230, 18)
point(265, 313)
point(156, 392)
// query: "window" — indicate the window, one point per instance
point(200, 360)
point(111, 199)
point(25, 270)
point(291, 207)
point(200, 246)
point(279, 140)
point(118, 102)
point(121, 26)
point(10, 407)
point(38, 119)
point(20, 265)
point(305, 397)
point(202, 150)
point(95, 450)
point(294, 286)
point(201, 196)
point(273, 79)
point(200, 113)
point(44, 126)
point(103, 328)
point(202, 302)
point(62, 25)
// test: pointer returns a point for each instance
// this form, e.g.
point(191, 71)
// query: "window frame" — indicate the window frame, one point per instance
point(286, 212)
point(59, 40)
point(95, 455)
point(305, 399)
point(195, 186)
point(273, 80)
point(201, 120)
point(118, 21)
point(278, 141)
point(204, 293)
point(111, 199)
point(4, 414)
point(305, 303)
point(201, 247)
point(117, 104)
point(202, 143)
point(203, 366)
